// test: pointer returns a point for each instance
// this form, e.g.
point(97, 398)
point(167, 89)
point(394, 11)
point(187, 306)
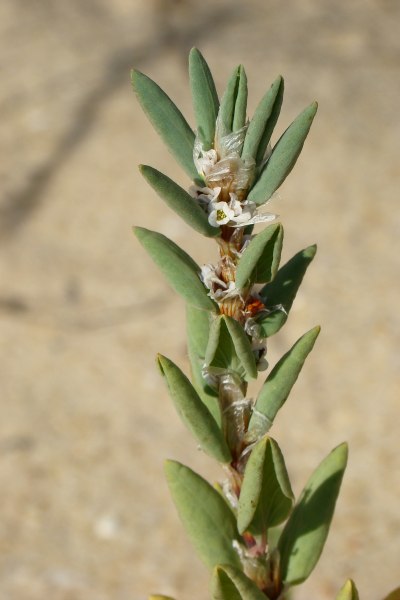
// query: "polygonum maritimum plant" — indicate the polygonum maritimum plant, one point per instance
point(250, 530)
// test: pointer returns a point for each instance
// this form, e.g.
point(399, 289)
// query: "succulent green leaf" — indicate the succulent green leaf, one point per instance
point(159, 597)
point(272, 322)
point(167, 120)
point(266, 497)
point(279, 294)
point(229, 348)
point(284, 156)
point(348, 591)
point(193, 412)
point(263, 122)
point(198, 325)
point(228, 103)
point(205, 97)
point(239, 116)
point(305, 533)
point(260, 260)
point(242, 346)
point(206, 517)
point(178, 267)
point(280, 381)
point(229, 583)
point(283, 289)
point(179, 200)
point(395, 595)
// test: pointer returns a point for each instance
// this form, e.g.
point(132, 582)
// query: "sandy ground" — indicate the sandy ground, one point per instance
point(85, 421)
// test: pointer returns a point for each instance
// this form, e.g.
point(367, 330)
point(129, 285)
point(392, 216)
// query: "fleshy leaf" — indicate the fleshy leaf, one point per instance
point(160, 597)
point(228, 103)
point(193, 412)
point(198, 326)
point(229, 348)
point(260, 260)
point(206, 517)
point(348, 591)
point(229, 583)
point(263, 122)
point(178, 267)
point(284, 156)
point(239, 116)
point(305, 533)
point(167, 120)
point(282, 290)
point(205, 97)
point(266, 497)
point(284, 287)
point(280, 381)
point(179, 200)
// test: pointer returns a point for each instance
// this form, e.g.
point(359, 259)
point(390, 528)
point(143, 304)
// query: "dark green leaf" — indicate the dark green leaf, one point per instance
point(179, 200)
point(260, 260)
point(266, 497)
point(349, 591)
point(283, 157)
point(263, 122)
point(179, 268)
point(280, 381)
point(193, 412)
point(205, 97)
point(272, 322)
point(305, 533)
point(229, 583)
point(207, 519)
point(167, 120)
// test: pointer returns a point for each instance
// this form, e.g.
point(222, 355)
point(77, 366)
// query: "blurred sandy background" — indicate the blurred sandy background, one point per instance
point(85, 421)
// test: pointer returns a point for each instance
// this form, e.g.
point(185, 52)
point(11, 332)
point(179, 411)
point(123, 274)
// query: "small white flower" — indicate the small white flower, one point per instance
point(203, 159)
point(209, 275)
point(220, 214)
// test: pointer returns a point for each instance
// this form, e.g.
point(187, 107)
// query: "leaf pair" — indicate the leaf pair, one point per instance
point(229, 348)
point(211, 524)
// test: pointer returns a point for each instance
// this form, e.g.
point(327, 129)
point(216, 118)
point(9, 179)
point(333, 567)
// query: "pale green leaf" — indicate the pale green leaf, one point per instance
point(284, 156)
point(193, 412)
point(280, 381)
point(263, 122)
point(230, 583)
point(228, 103)
point(305, 533)
point(230, 348)
point(160, 597)
point(198, 325)
point(348, 591)
point(266, 497)
point(205, 97)
point(239, 116)
point(178, 267)
point(167, 120)
point(260, 260)
point(179, 200)
point(207, 519)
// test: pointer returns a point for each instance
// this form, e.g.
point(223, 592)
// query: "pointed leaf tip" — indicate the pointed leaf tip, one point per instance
point(348, 591)
point(303, 538)
point(194, 414)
